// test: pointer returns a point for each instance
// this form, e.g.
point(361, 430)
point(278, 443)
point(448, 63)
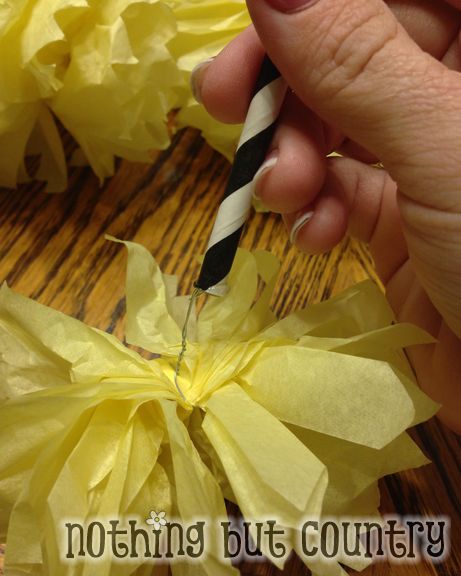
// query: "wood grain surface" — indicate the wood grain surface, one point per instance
point(52, 248)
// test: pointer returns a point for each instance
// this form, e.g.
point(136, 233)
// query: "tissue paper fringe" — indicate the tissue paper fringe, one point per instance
point(287, 418)
point(109, 72)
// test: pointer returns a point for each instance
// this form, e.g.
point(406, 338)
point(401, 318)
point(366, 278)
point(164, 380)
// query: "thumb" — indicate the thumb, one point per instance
point(356, 67)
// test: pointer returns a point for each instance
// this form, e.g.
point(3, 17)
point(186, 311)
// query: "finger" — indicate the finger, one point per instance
point(360, 200)
point(360, 71)
point(319, 226)
point(432, 25)
point(294, 172)
point(225, 86)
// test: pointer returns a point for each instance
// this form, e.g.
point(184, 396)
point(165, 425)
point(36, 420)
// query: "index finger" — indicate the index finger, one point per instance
point(228, 82)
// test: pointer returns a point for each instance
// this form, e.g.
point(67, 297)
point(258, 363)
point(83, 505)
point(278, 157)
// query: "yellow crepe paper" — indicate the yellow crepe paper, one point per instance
point(288, 418)
point(110, 72)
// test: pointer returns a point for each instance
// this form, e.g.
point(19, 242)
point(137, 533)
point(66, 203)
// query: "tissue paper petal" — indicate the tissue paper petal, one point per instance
point(82, 347)
point(313, 380)
point(148, 321)
point(259, 446)
point(233, 315)
point(353, 468)
point(198, 495)
point(359, 309)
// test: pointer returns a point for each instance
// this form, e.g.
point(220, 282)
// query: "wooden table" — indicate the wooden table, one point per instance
point(52, 249)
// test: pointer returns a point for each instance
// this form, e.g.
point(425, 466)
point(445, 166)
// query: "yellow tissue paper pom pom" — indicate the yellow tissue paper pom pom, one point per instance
point(289, 418)
point(101, 68)
point(109, 72)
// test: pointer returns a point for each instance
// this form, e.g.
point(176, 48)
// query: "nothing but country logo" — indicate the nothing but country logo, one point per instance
point(397, 539)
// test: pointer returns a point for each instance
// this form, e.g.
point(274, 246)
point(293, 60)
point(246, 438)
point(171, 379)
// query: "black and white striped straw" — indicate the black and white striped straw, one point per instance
point(251, 151)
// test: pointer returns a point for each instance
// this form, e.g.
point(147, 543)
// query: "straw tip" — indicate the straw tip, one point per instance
point(220, 289)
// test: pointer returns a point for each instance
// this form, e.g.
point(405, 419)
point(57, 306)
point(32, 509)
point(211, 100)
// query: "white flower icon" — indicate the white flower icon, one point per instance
point(157, 519)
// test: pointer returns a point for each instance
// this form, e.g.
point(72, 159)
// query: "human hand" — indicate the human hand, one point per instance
point(378, 82)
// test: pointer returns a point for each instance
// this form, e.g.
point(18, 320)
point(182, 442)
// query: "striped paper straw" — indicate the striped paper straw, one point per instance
point(251, 151)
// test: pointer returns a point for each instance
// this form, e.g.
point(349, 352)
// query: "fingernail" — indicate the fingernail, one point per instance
point(298, 224)
point(267, 165)
point(291, 5)
point(196, 78)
